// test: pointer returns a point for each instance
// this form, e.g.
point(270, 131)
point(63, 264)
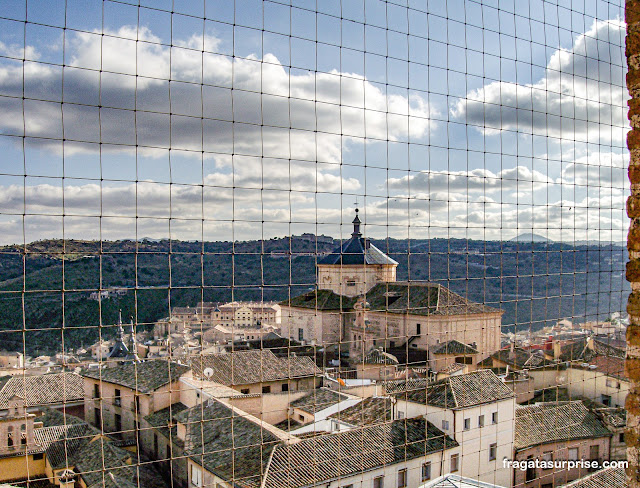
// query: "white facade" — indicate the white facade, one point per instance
point(484, 444)
point(439, 463)
point(355, 279)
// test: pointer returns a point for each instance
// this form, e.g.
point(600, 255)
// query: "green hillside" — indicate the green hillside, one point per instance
point(45, 286)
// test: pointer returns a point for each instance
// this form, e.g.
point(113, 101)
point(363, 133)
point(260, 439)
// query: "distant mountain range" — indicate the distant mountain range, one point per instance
point(533, 237)
point(535, 282)
point(530, 237)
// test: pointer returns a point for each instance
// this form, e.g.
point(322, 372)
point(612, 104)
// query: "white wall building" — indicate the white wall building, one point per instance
point(477, 409)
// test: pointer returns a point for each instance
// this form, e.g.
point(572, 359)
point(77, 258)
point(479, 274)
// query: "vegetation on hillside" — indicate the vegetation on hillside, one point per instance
point(45, 286)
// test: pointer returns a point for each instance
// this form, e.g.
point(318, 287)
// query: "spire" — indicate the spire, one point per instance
point(120, 329)
point(119, 349)
point(132, 340)
point(356, 226)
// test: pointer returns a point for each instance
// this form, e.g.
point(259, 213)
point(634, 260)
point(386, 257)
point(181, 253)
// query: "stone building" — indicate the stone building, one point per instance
point(476, 409)
point(228, 447)
point(557, 431)
point(358, 304)
point(118, 397)
point(258, 371)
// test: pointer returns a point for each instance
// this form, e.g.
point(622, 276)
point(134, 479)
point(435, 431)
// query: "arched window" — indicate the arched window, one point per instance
point(23, 434)
point(10, 436)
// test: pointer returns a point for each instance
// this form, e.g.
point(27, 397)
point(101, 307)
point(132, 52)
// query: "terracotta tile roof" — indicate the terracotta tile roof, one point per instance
point(397, 386)
point(573, 350)
point(325, 457)
point(373, 410)
point(226, 444)
point(579, 350)
point(163, 420)
point(97, 460)
point(453, 347)
point(377, 355)
point(414, 298)
point(144, 377)
point(461, 391)
point(615, 417)
point(604, 478)
point(606, 349)
point(452, 368)
point(611, 366)
point(248, 367)
point(321, 300)
point(45, 389)
point(518, 358)
point(555, 422)
point(316, 400)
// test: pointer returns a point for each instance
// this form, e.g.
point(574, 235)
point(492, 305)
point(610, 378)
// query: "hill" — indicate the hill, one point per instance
point(529, 237)
point(45, 285)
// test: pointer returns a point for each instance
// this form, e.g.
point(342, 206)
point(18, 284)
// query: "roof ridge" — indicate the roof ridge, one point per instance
point(453, 391)
point(263, 482)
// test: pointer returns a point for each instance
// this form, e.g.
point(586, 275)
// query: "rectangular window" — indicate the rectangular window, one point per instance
point(455, 462)
point(467, 424)
point(418, 329)
point(573, 453)
point(38, 456)
point(378, 482)
point(481, 421)
point(400, 415)
point(117, 400)
point(606, 400)
point(426, 471)
point(493, 451)
point(117, 420)
point(96, 390)
point(301, 334)
point(547, 456)
point(98, 418)
point(445, 425)
point(244, 391)
point(266, 389)
point(494, 418)
point(285, 386)
point(530, 474)
point(402, 478)
point(196, 476)
point(594, 452)
point(621, 438)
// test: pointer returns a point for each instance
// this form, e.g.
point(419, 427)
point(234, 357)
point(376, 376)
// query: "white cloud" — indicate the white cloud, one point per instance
point(606, 171)
point(471, 181)
point(581, 96)
point(270, 112)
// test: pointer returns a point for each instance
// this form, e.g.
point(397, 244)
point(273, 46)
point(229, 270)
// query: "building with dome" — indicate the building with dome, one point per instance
point(358, 304)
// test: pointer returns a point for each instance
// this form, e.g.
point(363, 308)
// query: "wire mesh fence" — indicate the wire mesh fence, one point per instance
point(348, 243)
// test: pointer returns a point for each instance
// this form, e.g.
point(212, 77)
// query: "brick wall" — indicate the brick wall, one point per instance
point(632, 15)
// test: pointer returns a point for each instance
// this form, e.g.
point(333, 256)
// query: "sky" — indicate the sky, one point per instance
point(247, 120)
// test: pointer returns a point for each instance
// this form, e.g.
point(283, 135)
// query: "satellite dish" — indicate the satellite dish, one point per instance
point(208, 372)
